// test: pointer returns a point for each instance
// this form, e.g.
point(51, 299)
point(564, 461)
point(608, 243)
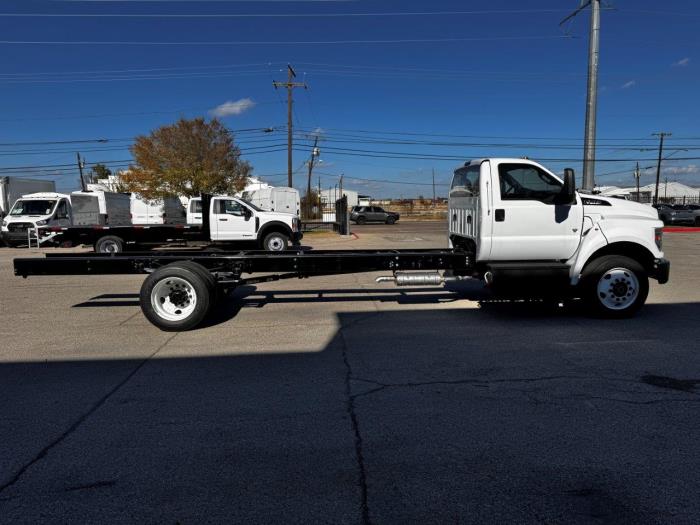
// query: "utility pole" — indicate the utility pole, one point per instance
point(661, 136)
point(666, 188)
point(81, 165)
point(314, 153)
point(636, 177)
point(591, 92)
point(290, 85)
point(341, 185)
point(433, 187)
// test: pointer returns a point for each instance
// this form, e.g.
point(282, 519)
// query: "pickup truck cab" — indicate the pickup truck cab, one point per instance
point(527, 226)
point(33, 211)
point(235, 219)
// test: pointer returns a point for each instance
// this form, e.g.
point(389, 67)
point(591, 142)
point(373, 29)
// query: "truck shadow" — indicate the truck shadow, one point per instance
point(250, 296)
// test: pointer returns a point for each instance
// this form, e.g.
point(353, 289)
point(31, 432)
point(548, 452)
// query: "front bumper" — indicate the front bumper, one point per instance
point(297, 237)
point(661, 270)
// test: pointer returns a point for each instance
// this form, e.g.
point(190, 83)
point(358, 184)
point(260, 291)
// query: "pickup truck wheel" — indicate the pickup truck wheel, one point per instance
point(390, 220)
point(615, 286)
point(174, 298)
point(109, 244)
point(275, 242)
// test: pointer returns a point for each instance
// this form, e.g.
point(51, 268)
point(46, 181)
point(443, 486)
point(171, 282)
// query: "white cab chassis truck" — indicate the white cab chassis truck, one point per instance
point(512, 223)
point(532, 234)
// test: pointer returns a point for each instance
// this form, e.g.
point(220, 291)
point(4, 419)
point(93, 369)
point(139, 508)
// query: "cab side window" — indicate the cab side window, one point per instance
point(230, 207)
point(62, 210)
point(196, 206)
point(527, 182)
point(465, 182)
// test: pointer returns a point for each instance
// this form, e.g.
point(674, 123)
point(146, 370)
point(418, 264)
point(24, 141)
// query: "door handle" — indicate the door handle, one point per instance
point(223, 219)
point(500, 215)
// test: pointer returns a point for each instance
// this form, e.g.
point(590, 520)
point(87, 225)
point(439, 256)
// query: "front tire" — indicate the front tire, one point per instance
point(275, 242)
point(390, 220)
point(109, 244)
point(360, 220)
point(175, 298)
point(614, 286)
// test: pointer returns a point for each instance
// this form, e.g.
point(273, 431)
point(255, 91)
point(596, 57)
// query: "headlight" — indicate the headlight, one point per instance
point(41, 223)
point(658, 237)
point(4, 223)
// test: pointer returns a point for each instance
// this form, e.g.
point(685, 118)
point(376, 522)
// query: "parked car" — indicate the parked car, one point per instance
point(675, 214)
point(695, 208)
point(363, 214)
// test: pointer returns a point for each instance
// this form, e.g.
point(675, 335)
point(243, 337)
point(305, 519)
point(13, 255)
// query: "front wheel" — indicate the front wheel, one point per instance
point(360, 220)
point(614, 286)
point(390, 220)
point(175, 298)
point(275, 242)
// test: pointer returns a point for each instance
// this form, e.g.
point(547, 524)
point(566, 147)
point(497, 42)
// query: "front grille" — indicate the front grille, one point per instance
point(17, 227)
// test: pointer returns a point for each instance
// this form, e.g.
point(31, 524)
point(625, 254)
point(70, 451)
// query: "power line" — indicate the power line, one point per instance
point(280, 42)
point(279, 15)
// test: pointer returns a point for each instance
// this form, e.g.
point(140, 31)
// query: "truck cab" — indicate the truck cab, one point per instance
point(519, 219)
point(36, 210)
point(235, 219)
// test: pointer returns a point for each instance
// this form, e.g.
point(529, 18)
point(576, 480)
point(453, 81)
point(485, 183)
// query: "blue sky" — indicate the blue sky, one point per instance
point(396, 94)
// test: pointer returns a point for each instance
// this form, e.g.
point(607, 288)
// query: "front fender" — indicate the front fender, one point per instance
point(274, 226)
point(611, 231)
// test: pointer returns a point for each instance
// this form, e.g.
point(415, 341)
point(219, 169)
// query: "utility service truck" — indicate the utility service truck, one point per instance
point(38, 217)
point(230, 221)
point(512, 223)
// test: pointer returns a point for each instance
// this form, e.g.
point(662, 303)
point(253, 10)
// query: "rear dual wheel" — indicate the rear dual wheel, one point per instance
point(178, 296)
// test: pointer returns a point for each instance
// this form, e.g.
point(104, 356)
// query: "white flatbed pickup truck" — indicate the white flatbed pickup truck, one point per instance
point(512, 223)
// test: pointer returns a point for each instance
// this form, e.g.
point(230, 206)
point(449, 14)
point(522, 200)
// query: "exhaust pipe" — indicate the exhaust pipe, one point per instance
point(419, 278)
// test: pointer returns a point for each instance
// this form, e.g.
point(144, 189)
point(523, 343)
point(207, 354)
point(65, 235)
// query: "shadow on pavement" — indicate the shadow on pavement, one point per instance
point(425, 416)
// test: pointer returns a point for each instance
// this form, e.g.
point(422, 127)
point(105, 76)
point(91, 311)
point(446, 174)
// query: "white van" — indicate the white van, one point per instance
point(159, 211)
point(36, 210)
point(283, 199)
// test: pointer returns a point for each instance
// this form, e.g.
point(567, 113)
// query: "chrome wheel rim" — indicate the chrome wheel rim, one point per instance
point(173, 298)
point(276, 244)
point(618, 288)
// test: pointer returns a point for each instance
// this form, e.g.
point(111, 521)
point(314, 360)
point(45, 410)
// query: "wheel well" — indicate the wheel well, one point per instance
point(629, 249)
point(275, 227)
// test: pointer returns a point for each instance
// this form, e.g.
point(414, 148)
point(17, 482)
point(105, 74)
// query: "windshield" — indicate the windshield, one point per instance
point(33, 207)
point(251, 205)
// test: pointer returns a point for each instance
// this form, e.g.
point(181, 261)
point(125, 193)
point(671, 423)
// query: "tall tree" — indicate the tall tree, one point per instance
point(99, 171)
point(187, 158)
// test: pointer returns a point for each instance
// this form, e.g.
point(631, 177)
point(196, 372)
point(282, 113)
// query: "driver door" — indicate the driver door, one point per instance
point(528, 224)
point(233, 220)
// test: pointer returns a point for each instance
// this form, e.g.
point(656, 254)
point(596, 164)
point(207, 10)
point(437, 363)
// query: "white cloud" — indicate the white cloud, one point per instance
point(629, 84)
point(232, 107)
point(690, 169)
point(682, 62)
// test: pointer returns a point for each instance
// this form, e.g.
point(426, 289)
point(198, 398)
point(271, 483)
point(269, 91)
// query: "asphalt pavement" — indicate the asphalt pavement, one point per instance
point(338, 400)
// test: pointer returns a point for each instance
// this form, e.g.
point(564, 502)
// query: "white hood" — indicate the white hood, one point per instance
point(618, 208)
